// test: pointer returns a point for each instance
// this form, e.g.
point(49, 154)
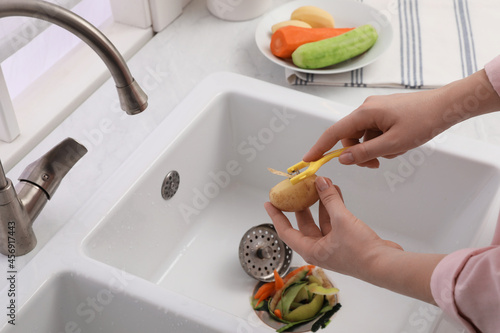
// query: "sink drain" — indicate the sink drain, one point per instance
point(261, 252)
point(170, 184)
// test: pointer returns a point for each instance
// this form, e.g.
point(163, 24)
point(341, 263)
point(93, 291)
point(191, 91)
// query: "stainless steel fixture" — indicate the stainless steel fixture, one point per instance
point(19, 207)
point(170, 185)
point(261, 252)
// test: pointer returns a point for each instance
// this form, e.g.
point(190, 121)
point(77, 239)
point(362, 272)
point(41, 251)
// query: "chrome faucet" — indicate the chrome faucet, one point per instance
point(20, 206)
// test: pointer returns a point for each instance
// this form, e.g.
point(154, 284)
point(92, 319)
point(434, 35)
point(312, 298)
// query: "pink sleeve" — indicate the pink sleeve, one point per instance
point(492, 69)
point(466, 286)
point(466, 283)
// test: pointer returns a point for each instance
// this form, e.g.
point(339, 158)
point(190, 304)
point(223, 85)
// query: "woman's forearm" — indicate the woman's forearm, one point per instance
point(466, 98)
point(410, 273)
point(406, 273)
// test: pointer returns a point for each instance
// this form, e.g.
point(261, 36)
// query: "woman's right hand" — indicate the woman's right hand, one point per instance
point(383, 126)
point(389, 125)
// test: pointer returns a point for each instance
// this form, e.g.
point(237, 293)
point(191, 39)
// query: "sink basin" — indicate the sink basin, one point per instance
point(70, 302)
point(221, 140)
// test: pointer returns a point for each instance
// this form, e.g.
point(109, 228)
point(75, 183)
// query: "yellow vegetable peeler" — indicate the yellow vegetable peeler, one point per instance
point(313, 166)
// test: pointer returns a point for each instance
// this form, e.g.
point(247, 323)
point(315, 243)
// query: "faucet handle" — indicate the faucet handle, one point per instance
point(48, 171)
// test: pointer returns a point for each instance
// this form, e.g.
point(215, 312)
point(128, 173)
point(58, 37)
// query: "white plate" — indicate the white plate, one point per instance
point(346, 13)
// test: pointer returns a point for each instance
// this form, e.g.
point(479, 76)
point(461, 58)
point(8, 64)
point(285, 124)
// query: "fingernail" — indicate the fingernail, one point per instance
point(346, 158)
point(321, 183)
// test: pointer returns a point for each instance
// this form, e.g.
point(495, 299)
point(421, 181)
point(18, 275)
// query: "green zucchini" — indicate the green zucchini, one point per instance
point(334, 50)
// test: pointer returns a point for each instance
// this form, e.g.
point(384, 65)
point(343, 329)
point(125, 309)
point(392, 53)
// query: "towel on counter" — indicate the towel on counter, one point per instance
point(435, 42)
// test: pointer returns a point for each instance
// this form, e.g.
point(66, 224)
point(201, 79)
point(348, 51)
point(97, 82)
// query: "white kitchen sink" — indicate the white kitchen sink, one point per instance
point(180, 256)
point(221, 140)
point(70, 302)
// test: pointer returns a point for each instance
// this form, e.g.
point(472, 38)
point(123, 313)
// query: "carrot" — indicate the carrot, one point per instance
point(265, 295)
point(278, 281)
point(265, 288)
point(277, 313)
point(287, 39)
point(268, 289)
point(297, 270)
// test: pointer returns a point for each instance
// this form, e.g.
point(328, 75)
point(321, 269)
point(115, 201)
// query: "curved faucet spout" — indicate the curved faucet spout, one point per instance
point(20, 206)
point(133, 100)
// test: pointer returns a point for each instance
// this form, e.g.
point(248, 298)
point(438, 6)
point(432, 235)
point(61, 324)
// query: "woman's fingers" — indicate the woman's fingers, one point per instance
point(351, 127)
point(324, 219)
point(383, 145)
point(331, 197)
point(306, 224)
point(292, 237)
point(393, 244)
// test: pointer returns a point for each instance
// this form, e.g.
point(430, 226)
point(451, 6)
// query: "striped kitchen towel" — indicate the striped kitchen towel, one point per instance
point(435, 42)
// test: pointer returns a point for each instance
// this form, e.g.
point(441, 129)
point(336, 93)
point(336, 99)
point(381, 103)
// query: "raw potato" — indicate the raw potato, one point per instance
point(294, 198)
point(295, 23)
point(314, 16)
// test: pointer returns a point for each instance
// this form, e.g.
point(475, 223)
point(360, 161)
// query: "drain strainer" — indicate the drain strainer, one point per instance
point(170, 185)
point(261, 252)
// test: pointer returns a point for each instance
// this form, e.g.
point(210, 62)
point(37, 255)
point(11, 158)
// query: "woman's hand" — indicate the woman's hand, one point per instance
point(389, 125)
point(341, 242)
point(345, 244)
point(383, 126)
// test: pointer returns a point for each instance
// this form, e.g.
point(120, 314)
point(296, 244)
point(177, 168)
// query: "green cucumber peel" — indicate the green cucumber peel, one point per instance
point(289, 295)
point(326, 309)
point(254, 301)
point(315, 279)
point(298, 294)
point(295, 305)
point(326, 318)
point(323, 316)
point(303, 295)
point(294, 279)
point(317, 289)
point(306, 311)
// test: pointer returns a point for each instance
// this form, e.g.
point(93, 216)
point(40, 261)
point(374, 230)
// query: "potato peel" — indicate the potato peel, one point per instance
point(280, 173)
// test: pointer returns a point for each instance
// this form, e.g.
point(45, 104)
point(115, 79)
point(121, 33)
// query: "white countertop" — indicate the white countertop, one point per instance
point(168, 67)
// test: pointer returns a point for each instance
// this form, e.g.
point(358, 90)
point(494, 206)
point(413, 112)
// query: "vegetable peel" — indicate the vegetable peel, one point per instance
point(301, 298)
